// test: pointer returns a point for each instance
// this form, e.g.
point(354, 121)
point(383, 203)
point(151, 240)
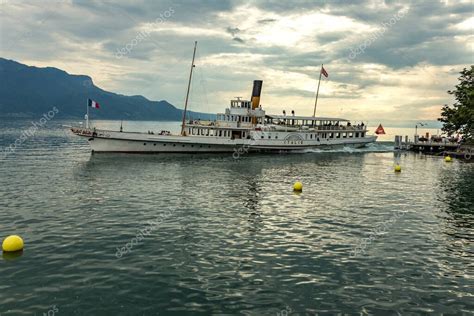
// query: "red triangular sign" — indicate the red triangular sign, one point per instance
point(380, 130)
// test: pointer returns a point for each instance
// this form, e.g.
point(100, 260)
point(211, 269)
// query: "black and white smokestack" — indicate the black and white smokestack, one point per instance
point(257, 89)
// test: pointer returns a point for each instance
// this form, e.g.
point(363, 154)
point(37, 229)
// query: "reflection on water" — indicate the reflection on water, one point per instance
point(456, 193)
point(238, 240)
point(12, 255)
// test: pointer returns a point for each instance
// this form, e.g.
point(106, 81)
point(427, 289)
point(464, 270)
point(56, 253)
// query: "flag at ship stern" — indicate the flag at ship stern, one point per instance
point(93, 104)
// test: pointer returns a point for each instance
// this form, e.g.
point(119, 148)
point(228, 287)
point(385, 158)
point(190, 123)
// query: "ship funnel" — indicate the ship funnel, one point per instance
point(257, 89)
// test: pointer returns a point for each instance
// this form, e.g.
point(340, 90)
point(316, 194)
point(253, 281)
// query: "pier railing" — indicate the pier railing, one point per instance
point(423, 145)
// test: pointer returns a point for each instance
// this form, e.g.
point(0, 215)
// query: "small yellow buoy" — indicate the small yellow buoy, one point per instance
point(397, 168)
point(12, 243)
point(298, 186)
point(447, 158)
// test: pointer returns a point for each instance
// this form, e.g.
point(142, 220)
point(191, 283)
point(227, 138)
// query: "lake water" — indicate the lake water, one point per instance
point(208, 234)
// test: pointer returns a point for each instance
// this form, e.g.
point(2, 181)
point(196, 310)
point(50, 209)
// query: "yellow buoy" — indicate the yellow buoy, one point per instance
point(298, 186)
point(12, 243)
point(397, 168)
point(447, 158)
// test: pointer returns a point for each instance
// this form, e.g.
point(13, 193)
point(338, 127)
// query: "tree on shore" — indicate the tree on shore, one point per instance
point(459, 118)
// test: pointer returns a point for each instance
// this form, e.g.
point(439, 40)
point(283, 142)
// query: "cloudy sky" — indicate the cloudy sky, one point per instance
point(387, 60)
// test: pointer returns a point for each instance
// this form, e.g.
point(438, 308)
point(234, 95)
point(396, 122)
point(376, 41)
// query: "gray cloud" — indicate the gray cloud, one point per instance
point(238, 39)
point(84, 37)
point(265, 21)
point(232, 30)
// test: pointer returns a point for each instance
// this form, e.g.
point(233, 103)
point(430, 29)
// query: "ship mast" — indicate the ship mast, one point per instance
point(317, 91)
point(183, 125)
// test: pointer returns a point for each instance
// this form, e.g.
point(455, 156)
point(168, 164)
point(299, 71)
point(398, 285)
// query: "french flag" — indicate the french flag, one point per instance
point(93, 104)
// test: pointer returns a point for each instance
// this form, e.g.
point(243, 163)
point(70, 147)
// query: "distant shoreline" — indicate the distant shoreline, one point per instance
point(82, 118)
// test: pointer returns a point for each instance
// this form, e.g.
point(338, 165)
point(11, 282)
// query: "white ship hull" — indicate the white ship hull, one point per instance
point(124, 142)
point(243, 127)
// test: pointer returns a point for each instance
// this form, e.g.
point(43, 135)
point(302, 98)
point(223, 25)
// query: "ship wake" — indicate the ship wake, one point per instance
point(378, 147)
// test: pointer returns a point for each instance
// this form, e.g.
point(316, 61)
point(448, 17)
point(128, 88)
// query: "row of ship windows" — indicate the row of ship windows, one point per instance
point(174, 145)
point(324, 135)
point(212, 132)
point(228, 133)
point(234, 118)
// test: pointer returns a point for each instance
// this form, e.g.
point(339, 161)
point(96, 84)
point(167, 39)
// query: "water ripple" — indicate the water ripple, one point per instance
point(229, 236)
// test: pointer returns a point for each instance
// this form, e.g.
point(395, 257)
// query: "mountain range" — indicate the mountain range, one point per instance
point(28, 92)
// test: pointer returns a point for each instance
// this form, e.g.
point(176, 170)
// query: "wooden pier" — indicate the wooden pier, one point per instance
point(443, 147)
point(427, 146)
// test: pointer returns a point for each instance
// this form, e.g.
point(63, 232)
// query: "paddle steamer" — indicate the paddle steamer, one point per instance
point(244, 125)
